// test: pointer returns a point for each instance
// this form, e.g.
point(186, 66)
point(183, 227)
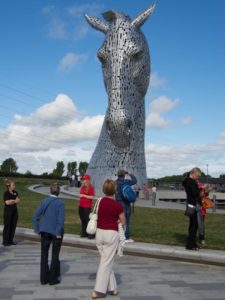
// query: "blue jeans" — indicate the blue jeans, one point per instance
point(127, 210)
point(201, 225)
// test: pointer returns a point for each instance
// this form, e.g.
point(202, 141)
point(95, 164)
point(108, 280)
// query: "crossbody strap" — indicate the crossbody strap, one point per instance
point(49, 203)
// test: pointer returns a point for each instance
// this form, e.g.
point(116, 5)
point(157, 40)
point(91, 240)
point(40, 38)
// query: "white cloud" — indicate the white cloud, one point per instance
point(221, 141)
point(222, 135)
point(78, 10)
point(70, 23)
point(174, 160)
point(54, 125)
point(57, 26)
point(162, 104)
point(39, 162)
point(80, 31)
point(59, 131)
point(70, 60)
point(156, 81)
point(158, 107)
point(187, 120)
point(161, 160)
point(154, 120)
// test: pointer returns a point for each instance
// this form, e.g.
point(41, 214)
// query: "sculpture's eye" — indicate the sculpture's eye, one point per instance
point(137, 55)
point(102, 58)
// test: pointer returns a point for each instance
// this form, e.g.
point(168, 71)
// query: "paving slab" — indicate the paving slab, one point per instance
point(139, 278)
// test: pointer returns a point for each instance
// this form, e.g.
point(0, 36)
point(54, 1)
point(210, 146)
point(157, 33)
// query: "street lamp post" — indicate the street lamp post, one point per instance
point(207, 178)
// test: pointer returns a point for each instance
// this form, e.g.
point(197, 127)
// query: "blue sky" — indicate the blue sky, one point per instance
point(48, 56)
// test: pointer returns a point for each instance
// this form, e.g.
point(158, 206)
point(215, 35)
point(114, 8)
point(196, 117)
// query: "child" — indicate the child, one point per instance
point(204, 193)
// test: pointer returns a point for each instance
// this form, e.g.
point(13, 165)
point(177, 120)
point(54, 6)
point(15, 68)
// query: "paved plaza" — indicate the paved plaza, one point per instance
point(139, 278)
point(74, 194)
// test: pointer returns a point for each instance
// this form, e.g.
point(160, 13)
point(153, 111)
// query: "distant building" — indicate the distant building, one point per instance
point(218, 184)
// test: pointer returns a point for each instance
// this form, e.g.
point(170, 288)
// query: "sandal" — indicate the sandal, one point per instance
point(97, 295)
point(113, 293)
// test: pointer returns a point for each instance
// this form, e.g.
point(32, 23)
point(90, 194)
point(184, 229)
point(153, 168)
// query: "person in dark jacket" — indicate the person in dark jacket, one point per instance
point(51, 229)
point(120, 181)
point(11, 199)
point(194, 200)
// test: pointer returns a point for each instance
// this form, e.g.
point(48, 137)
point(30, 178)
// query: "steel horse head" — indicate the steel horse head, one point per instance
point(126, 71)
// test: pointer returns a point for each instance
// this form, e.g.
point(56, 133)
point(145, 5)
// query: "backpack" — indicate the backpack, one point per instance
point(128, 194)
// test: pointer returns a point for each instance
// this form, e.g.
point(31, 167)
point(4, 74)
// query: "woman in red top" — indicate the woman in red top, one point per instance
point(110, 213)
point(86, 197)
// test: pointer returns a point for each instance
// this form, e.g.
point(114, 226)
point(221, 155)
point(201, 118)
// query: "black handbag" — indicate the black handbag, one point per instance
point(190, 210)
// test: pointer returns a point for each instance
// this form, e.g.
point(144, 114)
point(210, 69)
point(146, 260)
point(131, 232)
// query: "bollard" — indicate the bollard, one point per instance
point(214, 201)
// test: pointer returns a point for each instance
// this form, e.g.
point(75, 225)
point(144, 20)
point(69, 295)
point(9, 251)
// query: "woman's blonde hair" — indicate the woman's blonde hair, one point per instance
point(196, 170)
point(8, 182)
point(109, 187)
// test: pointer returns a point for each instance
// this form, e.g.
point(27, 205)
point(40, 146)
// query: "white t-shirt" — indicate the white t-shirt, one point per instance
point(154, 189)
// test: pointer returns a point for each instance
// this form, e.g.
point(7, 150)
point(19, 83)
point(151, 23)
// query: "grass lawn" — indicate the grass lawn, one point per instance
point(148, 225)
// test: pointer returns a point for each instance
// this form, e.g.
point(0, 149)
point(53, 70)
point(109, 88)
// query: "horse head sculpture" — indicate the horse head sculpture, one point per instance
point(126, 71)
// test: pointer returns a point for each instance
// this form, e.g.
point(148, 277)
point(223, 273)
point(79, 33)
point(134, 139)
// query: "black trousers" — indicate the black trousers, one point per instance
point(84, 217)
point(50, 275)
point(10, 222)
point(192, 231)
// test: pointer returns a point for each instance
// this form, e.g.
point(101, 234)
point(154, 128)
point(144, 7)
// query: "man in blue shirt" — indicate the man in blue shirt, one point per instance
point(120, 181)
point(51, 212)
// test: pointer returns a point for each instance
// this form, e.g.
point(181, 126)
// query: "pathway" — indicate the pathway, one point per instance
point(139, 278)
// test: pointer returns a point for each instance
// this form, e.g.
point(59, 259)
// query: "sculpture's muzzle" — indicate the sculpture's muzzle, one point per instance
point(119, 128)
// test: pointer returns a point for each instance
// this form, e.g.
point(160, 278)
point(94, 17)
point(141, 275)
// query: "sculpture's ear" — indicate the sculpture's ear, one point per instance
point(139, 20)
point(97, 24)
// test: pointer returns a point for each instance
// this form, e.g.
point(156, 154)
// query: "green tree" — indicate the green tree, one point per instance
point(72, 167)
point(9, 166)
point(83, 165)
point(59, 170)
point(28, 173)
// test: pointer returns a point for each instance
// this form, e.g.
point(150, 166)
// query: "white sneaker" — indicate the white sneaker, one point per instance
point(129, 241)
point(120, 252)
point(202, 243)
